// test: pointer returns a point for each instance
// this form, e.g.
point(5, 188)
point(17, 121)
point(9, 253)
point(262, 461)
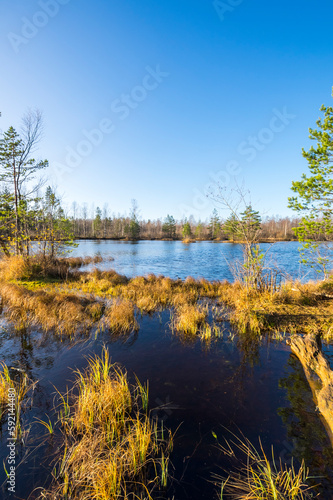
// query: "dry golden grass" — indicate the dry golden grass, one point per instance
point(13, 268)
point(189, 319)
point(39, 266)
point(146, 304)
point(259, 477)
point(120, 316)
point(6, 383)
point(112, 450)
point(208, 332)
point(294, 308)
point(188, 240)
point(149, 294)
point(64, 313)
point(18, 388)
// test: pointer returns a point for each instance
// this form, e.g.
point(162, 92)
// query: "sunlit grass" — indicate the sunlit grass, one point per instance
point(210, 331)
point(260, 477)
point(19, 388)
point(294, 308)
point(6, 383)
point(120, 316)
point(40, 267)
point(13, 268)
point(81, 301)
point(112, 450)
point(59, 311)
point(189, 319)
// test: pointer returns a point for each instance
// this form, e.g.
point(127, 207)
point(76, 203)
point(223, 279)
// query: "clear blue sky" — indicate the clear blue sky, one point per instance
point(180, 89)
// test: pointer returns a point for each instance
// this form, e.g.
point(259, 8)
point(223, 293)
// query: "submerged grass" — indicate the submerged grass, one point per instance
point(6, 383)
point(259, 477)
point(112, 450)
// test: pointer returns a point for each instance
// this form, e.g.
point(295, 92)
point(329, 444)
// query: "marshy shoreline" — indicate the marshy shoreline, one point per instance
point(58, 298)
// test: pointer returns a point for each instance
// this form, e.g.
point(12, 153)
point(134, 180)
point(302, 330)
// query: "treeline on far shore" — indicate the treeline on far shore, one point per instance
point(117, 227)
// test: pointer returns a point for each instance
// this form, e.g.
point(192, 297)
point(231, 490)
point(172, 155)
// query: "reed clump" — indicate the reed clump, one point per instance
point(111, 277)
point(13, 268)
point(13, 392)
point(120, 316)
point(259, 477)
point(153, 293)
point(112, 450)
point(294, 308)
point(149, 293)
point(62, 312)
point(102, 283)
point(184, 297)
point(188, 240)
point(189, 319)
point(42, 267)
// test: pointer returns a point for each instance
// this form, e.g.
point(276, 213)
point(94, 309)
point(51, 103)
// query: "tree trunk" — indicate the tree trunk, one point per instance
point(16, 209)
point(4, 248)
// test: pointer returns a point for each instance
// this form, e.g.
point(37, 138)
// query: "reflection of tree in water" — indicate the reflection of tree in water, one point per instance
point(304, 427)
point(25, 356)
point(35, 349)
point(248, 348)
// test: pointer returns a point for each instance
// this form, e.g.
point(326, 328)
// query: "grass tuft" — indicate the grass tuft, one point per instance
point(112, 450)
point(120, 316)
point(189, 319)
point(62, 312)
point(259, 477)
point(18, 386)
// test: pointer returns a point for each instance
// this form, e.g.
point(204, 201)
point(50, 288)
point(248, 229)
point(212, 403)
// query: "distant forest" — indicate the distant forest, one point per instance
point(101, 224)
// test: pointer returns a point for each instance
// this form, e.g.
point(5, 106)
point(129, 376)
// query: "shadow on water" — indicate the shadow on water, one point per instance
point(195, 389)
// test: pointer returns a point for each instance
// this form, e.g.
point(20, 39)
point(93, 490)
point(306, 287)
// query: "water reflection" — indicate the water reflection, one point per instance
point(194, 388)
point(305, 430)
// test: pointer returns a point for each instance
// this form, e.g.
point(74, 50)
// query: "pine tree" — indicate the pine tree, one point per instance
point(214, 225)
point(231, 227)
point(55, 234)
point(187, 232)
point(17, 169)
point(97, 222)
point(249, 224)
point(314, 200)
point(132, 230)
point(169, 227)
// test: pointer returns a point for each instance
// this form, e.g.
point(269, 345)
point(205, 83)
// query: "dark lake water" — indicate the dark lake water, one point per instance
point(175, 259)
point(194, 388)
